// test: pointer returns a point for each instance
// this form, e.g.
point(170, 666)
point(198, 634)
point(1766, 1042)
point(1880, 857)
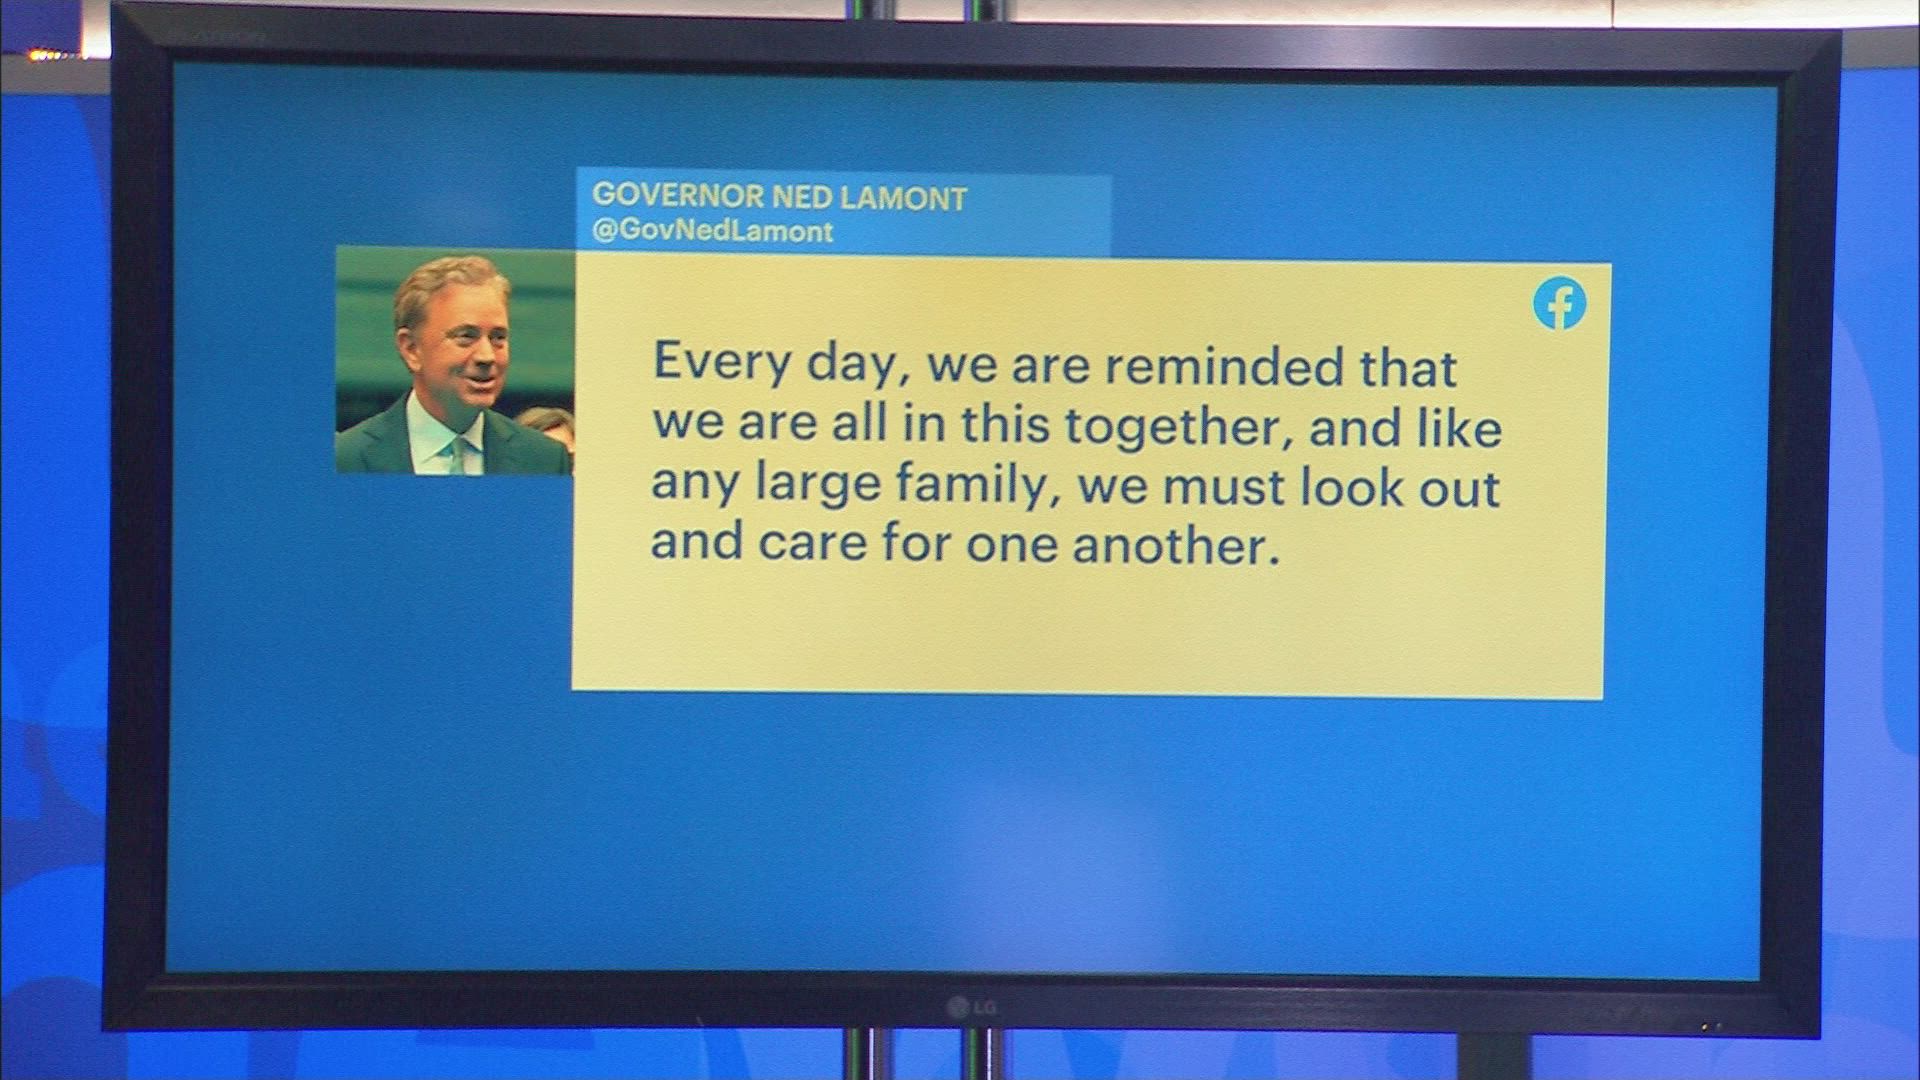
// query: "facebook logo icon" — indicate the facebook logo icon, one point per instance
point(1560, 303)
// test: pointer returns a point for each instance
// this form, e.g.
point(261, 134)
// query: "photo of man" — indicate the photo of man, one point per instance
point(451, 329)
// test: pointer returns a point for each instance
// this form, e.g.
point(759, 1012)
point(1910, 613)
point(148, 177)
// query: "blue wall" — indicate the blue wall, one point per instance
point(54, 385)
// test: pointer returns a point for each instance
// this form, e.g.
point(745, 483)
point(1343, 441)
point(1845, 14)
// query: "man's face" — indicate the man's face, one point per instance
point(458, 353)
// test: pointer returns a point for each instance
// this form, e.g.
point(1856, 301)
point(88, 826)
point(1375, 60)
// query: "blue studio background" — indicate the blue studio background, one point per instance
point(55, 512)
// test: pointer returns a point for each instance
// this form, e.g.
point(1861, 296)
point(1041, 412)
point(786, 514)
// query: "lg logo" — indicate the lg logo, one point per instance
point(960, 1007)
point(1560, 303)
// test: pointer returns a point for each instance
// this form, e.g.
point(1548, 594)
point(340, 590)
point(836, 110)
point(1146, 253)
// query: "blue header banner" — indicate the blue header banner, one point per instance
point(846, 213)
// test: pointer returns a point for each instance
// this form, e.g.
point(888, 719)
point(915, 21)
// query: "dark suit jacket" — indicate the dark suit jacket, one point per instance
point(379, 444)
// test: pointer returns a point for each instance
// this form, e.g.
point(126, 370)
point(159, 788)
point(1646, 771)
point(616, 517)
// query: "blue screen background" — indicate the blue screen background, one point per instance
point(440, 800)
point(55, 533)
point(390, 658)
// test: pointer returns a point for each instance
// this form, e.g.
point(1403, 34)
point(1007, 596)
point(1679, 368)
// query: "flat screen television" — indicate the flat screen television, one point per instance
point(1063, 526)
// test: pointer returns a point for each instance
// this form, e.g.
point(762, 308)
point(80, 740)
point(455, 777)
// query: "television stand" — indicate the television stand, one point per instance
point(1504, 1056)
point(868, 1055)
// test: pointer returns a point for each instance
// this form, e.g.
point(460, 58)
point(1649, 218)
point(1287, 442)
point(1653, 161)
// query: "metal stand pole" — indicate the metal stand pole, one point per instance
point(983, 1054)
point(1495, 1057)
point(866, 1054)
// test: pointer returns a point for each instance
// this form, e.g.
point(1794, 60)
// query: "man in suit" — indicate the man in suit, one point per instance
point(450, 327)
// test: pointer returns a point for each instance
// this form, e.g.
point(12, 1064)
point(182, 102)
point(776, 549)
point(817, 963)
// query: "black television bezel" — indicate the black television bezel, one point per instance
point(140, 993)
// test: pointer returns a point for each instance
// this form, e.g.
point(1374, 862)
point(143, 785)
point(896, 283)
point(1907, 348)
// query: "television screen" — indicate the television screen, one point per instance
point(632, 521)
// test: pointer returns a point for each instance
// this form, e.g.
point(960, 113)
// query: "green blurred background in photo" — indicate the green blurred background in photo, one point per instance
point(368, 374)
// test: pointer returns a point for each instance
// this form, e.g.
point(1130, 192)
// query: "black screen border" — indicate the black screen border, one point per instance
point(141, 994)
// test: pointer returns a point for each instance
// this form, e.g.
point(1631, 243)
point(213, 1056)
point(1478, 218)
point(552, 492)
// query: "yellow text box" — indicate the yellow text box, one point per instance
point(1271, 478)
